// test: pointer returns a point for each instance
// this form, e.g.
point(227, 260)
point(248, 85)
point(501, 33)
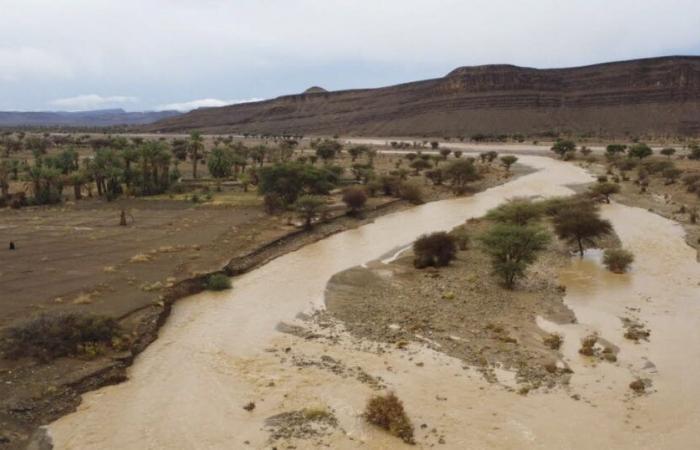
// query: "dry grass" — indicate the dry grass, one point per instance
point(52, 336)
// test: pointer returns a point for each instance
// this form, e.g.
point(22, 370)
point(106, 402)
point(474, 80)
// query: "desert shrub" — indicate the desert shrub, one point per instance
point(553, 341)
point(355, 198)
point(436, 249)
point(461, 238)
point(373, 187)
point(518, 211)
point(411, 192)
point(462, 172)
point(51, 336)
point(654, 166)
point(390, 185)
point(512, 249)
point(605, 190)
point(387, 412)
point(309, 207)
point(617, 260)
point(671, 174)
point(218, 282)
point(691, 180)
point(420, 164)
point(626, 164)
point(588, 345)
point(694, 152)
point(178, 188)
point(436, 176)
point(273, 203)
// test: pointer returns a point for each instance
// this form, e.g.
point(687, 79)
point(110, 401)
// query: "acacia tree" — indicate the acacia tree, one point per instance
point(640, 151)
point(615, 149)
point(605, 190)
point(309, 207)
point(356, 151)
point(508, 161)
point(460, 173)
point(517, 211)
point(668, 152)
point(562, 147)
point(513, 248)
point(580, 223)
point(328, 149)
point(195, 149)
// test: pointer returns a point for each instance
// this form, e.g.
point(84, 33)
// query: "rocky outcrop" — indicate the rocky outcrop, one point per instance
point(658, 96)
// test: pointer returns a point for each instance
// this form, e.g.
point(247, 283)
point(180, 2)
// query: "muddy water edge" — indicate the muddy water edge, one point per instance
point(219, 352)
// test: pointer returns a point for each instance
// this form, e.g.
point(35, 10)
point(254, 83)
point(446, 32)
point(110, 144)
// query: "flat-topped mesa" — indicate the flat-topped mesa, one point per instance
point(315, 90)
point(656, 96)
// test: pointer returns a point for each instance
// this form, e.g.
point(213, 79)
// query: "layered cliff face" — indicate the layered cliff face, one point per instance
point(659, 96)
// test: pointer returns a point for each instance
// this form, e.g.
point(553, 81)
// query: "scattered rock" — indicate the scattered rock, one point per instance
point(638, 386)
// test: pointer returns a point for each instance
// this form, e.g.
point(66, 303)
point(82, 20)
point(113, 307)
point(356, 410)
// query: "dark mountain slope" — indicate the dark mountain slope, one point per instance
point(657, 96)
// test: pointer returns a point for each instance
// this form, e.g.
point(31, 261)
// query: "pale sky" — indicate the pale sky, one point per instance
point(161, 54)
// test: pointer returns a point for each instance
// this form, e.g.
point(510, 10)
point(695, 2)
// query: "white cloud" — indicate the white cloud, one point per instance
point(20, 63)
point(225, 49)
point(91, 101)
point(202, 103)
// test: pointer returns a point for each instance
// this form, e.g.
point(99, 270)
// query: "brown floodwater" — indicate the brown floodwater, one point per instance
point(214, 354)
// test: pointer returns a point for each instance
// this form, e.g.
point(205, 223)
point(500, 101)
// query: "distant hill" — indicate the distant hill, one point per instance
point(654, 96)
point(98, 118)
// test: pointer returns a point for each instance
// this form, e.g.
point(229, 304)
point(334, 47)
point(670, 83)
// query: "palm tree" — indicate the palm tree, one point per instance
point(195, 149)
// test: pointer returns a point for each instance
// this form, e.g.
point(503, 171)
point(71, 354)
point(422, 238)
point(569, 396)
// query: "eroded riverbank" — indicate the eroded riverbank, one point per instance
point(219, 352)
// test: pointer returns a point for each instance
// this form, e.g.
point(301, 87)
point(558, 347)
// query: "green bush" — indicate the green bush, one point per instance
point(617, 260)
point(51, 336)
point(512, 249)
point(218, 282)
point(411, 192)
point(518, 211)
point(436, 249)
point(387, 412)
point(461, 238)
point(290, 180)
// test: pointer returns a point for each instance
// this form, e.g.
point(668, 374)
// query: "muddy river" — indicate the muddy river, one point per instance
point(219, 351)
